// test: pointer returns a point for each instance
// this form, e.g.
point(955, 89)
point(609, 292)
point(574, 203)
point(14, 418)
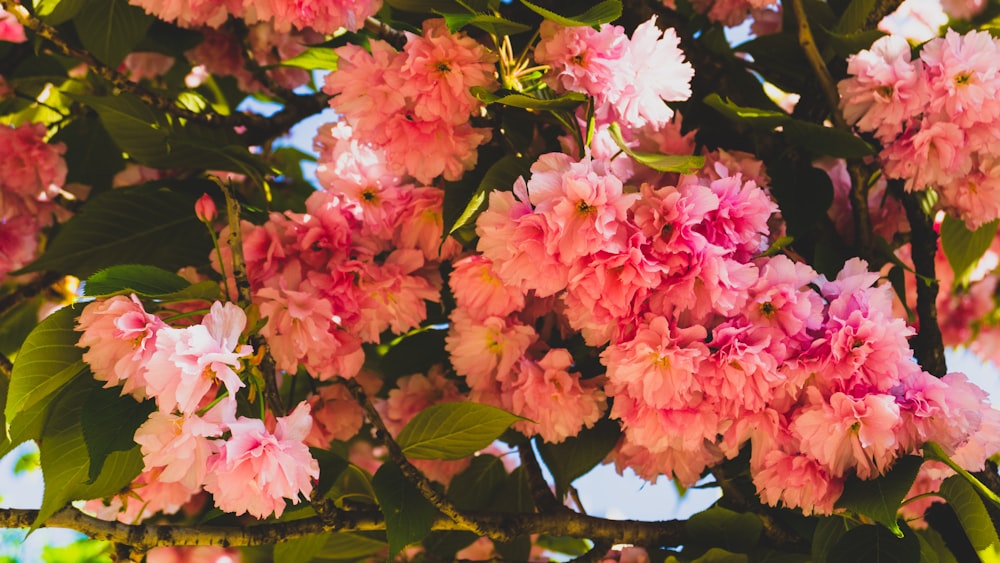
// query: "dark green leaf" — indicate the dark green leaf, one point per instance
point(828, 532)
point(971, 512)
point(133, 278)
point(933, 548)
point(49, 359)
point(453, 430)
point(65, 462)
point(844, 45)
point(202, 291)
point(109, 29)
point(721, 527)
point(17, 324)
point(717, 555)
point(495, 25)
point(91, 156)
point(603, 12)
point(879, 499)
point(477, 486)
point(55, 12)
point(135, 127)
point(815, 138)
point(313, 58)
point(567, 101)
point(331, 466)
point(963, 247)
point(408, 515)
point(299, 550)
point(109, 422)
point(875, 544)
point(574, 457)
point(141, 225)
point(426, 6)
point(500, 176)
point(854, 16)
point(350, 546)
point(685, 164)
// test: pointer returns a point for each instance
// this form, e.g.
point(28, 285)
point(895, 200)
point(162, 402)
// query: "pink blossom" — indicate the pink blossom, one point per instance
point(191, 13)
point(144, 497)
point(797, 481)
point(478, 289)
point(121, 337)
point(189, 361)
point(32, 172)
point(394, 295)
point(558, 402)
point(197, 554)
point(685, 466)
point(962, 77)
point(256, 469)
point(420, 224)
point(18, 243)
point(485, 350)
point(205, 209)
point(10, 29)
point(179, 445)
point(658, 73)
point(147, 65)
point(336, 415)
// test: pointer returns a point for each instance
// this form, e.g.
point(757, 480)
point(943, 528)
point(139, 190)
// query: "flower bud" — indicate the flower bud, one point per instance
point(205, 209)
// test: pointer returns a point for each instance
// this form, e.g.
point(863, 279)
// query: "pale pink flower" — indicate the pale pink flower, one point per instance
point(420, 224)
point(478, 289)
point(192, 13)
point(189, 362)
point(325, 16)
point(147, 65)
point(179, 445)
point(256, 469)
point(336, 415)
point(394, 295)
point(197, 554)
point(18, 243)
point(144, 497)
point(584, 59)
point(121, 337)
point(485, 350)
point(962, 76)
point(32, 172)
point(684, 466)
point(658, 73)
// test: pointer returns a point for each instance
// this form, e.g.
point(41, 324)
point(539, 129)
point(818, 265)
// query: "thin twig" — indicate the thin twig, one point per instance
point(863, 234)
point(385, 32)
point(416, 477)
point(235, 242)
point(544, 499)
point(29, 290)
point(808, 44)
point(6, 367)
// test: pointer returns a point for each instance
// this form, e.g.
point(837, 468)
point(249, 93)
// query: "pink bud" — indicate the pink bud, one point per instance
point(205, 209)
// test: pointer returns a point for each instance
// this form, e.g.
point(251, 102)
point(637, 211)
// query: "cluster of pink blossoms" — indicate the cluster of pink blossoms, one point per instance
point(194, 441)
point(710, 346)
point(32, 175)
point(324, 16)
point(415, 105)
point(629, 79)
point(937, 117)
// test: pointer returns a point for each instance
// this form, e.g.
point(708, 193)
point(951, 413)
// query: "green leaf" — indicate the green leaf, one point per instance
point(408, 515)
point(49, 359)
point(202, 291)
point(64, 457)
point(717, 555)
point(426, 6)
point(721, 527)
point(963, 248)
point(494, 25)
point(55, 12)
point(477, 486)
point(875, 544)
point(815, 138)
point(109, 29)
point(567, 101)
point(142, 225)
point(82, 551)
point(685, 164)
point(972, 514)
point(17, 324)
point(91, 155)
point(932, 547)
point(135, 127)
point(453, 430)
point(574, 457)
point(603, 12)
point(564, 544)
point(133, 278)
point(331, 466)
point(828, 532)
point(501, 175)
point(109, 422)
point(854, 16)
point(299, 550)
point(879, 499)
point(314, 58)
point(350, 546)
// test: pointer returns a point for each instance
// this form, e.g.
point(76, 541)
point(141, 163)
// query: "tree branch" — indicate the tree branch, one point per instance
point(822, 73)
point(540, 491)
point(416, 477)
point(928, 344)
point(385, 32)
point(29, 290)
point(6, 367)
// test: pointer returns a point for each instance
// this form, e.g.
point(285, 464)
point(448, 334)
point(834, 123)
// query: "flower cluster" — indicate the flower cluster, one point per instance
point(710, 346)
point(32, 176)
point(415, 104)
point(324, 16)
point(937, 117)
point(194, 441)
point(629, 79)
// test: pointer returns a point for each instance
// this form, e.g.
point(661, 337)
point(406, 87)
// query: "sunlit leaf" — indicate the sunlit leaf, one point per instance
point(314, 58)
point(133, 278)
point(453, 430)
point(963, 248)
point(603, 12)
point(684, 164)
point(973, 516)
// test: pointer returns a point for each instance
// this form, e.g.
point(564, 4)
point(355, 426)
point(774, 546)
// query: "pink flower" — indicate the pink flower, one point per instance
point(256, 470)
point(32, 172)
point(205, 209)
point(18, 242)
point(797, 481)
point(480, 291)
point(10, 29)
point(394, 293)
point(179, 445)
point(121, 337)
point(558, 402)
point(485, 350)
point(189, 362)
point(658, 74)
point(963, 80)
